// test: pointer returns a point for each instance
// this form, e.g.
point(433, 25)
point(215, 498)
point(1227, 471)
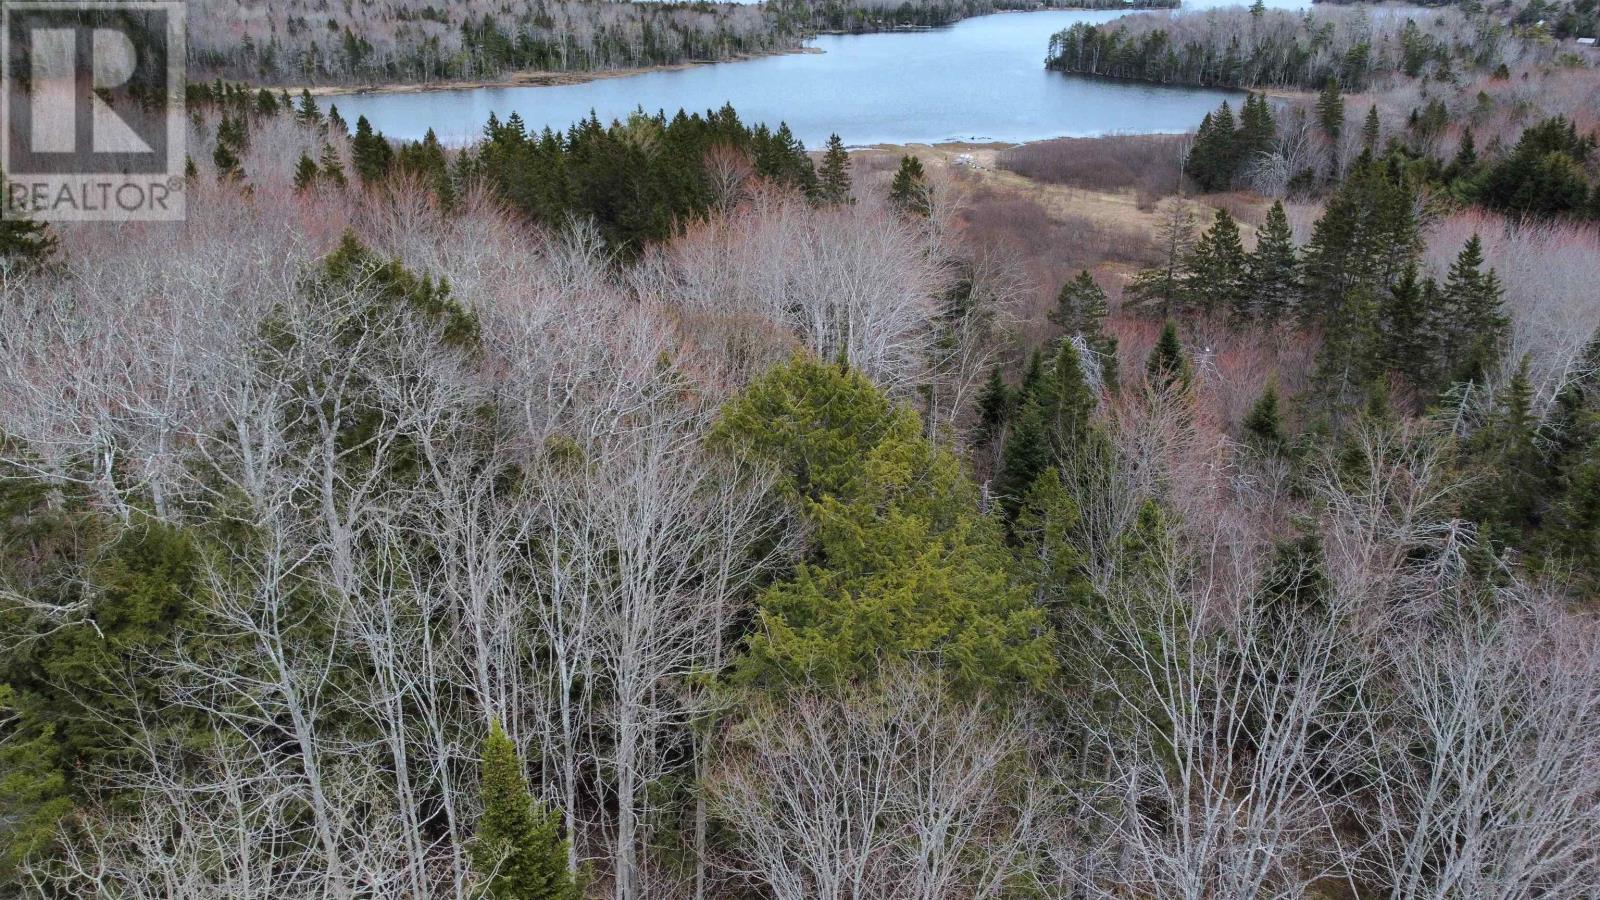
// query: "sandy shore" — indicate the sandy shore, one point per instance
point(525, 79)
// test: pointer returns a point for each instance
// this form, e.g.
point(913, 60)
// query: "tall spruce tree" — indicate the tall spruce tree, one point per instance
point(833, 178)
point(332, 169)
point(1262, 427)
point(1330, 118)
point(1168, 368)
point(1158, 289)
point(1471, 324)
point(909, 193)
point(1508, 496)
point(1081, 308)
point(1257, 130)
point(370, 152)
point(305, 173)
point(1272, 273)
point(1215, 270)
point(518, 849)
point(1213, 159)
point(307, 111)
point(1365, 238)
point(1408, 345)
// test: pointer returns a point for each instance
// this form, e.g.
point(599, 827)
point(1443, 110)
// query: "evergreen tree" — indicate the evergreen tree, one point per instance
point(336, 122)
point(1263, 425)
point(1330, 109)
point(1509, 493)
point(24, 244)
point(333, 167)
point(266, 103)
point(904, 566)
point(1051, 559)
point(1081, 306)
point(1168, 366)
point(1471, 325)
point(1272, 275)
point(307, 112)
point(1081, 309)
point(228, 167)
point(1545, 174)
point(1364, 240)
point(1025, 456)
point(1330, 118)
point(994, 408)
point(1215, 270)
point(1408, 347)
point(1465, 163)
point(833, 179)
point(1371, 130)
point(1213, 160)
point(305, 173)
point(1257, 130)
point(518, 849)
point(1158, 289)
point(909, 193)
point(370, 152)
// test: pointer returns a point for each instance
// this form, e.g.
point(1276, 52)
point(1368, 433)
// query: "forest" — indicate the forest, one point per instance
point(662, 508)
point(1275, 48)
point(302, 42)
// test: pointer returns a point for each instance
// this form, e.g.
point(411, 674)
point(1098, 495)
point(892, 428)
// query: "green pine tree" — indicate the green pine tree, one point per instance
point(1215, 270)
point(332, 169)
point(1081, 309)
point(1263, 426)
point(1168, 367)
point(1330, 118)
point(1257, 130)
point(1471, 324)
point(305, 173)
point(1081, 306)
point(994, 408)
point(910, 192)
point(25, 245)
point(833, 178)
point(904, 565)
point(1272, 273)
point(1158, 289)
point(307, 112)
point(1371, 129)
point(1408, 347)
point(227, 163)
point(370, 153)
point(518, 850)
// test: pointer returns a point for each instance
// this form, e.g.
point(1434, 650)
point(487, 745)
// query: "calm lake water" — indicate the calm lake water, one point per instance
point(982, 79)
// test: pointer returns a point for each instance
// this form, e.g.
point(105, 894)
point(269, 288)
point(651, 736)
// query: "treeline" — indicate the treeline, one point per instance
point(1544, 175)
point(637, 181)
point(860, 16)
point(419, 41)
point(1263, 47)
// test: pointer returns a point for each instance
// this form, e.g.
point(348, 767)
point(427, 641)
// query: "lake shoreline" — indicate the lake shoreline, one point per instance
point(558, 78)
point(535, 78)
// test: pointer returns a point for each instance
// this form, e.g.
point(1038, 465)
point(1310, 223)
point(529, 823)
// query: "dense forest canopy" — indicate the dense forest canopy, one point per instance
point(1262, 47)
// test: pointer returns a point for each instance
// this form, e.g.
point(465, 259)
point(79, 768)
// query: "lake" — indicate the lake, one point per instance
point(982, 79)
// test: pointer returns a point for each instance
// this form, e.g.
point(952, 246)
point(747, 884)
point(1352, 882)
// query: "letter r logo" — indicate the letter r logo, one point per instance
point(91, 107)
point(94, 85)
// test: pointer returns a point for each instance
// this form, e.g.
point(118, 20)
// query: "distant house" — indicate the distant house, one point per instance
point(1586, 42)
